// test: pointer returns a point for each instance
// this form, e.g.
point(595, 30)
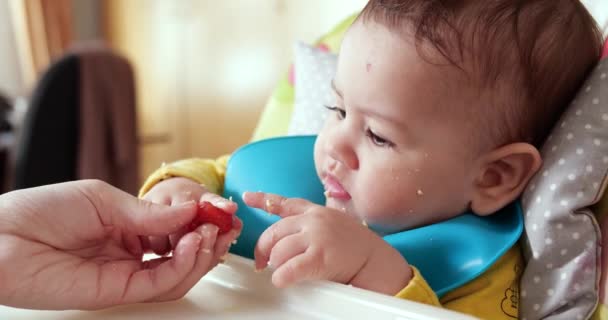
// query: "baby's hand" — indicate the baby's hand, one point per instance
point(175, 191)
point(313, 242)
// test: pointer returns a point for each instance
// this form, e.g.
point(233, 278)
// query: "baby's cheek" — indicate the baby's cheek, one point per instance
point(388, 199)
point(318, 156)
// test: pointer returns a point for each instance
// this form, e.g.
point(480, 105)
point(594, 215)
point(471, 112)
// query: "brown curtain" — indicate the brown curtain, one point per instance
point(43, 29)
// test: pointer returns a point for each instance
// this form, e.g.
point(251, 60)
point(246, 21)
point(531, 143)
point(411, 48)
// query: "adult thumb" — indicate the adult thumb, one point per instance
point(137, 216)
point(151, 219)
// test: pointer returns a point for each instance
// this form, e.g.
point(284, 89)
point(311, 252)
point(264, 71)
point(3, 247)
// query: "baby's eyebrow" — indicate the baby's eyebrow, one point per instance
point(338, 92)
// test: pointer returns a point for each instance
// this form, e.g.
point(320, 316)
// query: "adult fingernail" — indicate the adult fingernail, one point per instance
point(197, 239)
point(209, 230)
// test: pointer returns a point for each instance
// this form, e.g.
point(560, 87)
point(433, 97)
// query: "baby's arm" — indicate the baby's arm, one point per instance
point(207, 172)
point(492, 295)
point(418, 290)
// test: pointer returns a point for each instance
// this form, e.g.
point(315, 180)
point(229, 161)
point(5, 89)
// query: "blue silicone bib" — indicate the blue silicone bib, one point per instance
point(448, 254)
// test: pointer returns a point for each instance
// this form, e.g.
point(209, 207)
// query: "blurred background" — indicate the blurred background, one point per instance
point(203, 69)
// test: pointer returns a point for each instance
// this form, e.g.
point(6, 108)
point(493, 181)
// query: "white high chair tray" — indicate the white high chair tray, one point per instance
point(234, 291)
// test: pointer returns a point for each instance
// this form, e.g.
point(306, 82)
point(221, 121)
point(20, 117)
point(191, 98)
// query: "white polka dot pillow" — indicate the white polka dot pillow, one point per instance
point(314, 69)
point(562, 237)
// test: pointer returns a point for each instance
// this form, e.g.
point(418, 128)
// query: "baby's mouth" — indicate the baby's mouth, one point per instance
point(333, 189)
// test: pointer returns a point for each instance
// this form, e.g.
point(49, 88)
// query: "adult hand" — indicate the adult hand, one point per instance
point(175, 191)
point(77, 245)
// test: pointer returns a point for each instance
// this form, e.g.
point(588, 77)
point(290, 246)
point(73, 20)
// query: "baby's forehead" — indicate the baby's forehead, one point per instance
point(392, 68)
point(463, 54)
point(519, 60)
point(403, 51)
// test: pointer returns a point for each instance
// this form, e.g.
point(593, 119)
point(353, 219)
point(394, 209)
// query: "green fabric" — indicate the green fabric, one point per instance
point(274, 120)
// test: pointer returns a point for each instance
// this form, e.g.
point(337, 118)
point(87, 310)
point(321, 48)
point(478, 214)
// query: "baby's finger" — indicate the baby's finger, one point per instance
point(157, 197)
point(276, 204)
point(297, 269)
point(287, 248)
point(220, 202)
point(270, 237)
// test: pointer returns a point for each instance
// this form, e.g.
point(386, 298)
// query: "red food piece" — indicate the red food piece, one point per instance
point(208, 213)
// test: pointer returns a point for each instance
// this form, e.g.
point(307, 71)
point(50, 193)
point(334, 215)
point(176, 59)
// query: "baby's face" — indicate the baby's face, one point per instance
point(394, 152)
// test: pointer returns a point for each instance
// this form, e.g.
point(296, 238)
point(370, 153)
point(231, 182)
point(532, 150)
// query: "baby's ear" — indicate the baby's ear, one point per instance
point(503, 175)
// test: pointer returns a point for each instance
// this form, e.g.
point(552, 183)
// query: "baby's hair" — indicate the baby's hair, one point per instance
point(526, 58)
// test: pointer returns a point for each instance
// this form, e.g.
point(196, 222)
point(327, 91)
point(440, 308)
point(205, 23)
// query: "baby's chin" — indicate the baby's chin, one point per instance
point(347, 207)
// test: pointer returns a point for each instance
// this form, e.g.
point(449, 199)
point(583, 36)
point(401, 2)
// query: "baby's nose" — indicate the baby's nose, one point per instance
point(343, 152)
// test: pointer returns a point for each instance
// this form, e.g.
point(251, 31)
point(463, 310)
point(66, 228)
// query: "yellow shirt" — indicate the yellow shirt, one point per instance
point(493, 295)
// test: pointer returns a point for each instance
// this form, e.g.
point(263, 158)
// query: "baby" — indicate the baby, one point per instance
point(440, 108)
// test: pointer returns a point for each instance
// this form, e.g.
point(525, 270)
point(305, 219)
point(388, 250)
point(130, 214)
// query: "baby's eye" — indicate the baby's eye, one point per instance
point(341, 112)
point(379, 141)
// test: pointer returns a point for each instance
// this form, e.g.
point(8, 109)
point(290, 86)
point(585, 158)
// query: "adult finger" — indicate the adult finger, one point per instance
point(226, 240)
point(156, 244)
point(204, 263)
point(146, 284)
point(119, 209)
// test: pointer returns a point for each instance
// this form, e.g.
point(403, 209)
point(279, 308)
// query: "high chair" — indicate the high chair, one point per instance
point(562, 238)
